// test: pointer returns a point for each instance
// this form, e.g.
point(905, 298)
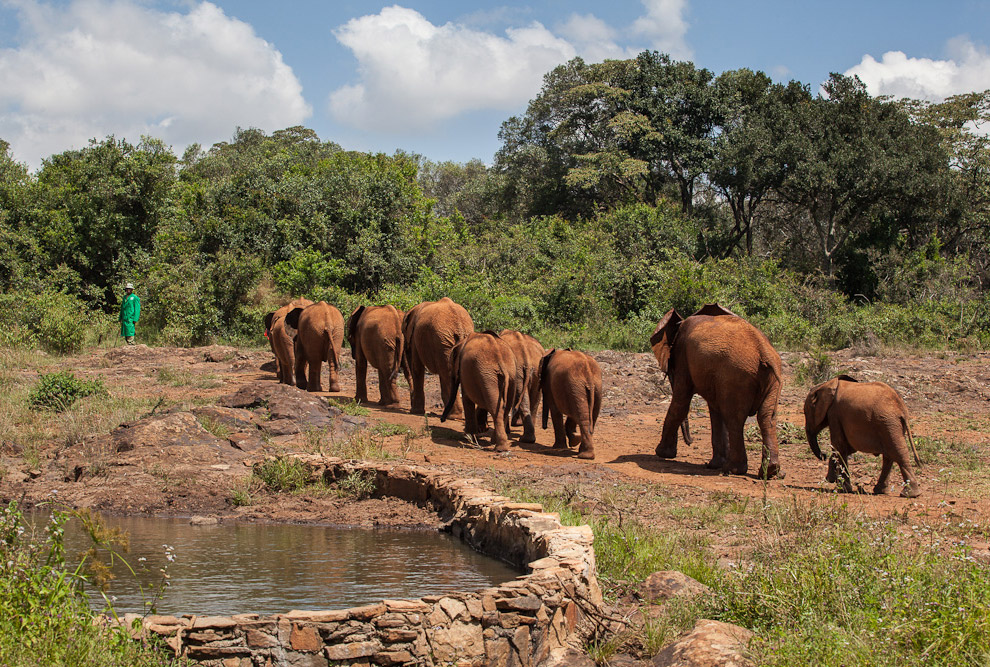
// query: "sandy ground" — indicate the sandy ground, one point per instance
point(948, 395)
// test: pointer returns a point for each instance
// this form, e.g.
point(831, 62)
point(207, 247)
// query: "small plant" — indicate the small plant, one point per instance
point(282, 474)
point(352, 408)
point(241, 498)
point(386, 429)
point(357, 485)
point(817, 369)
point(214, 426)
point(181, 377)
point(57, 391)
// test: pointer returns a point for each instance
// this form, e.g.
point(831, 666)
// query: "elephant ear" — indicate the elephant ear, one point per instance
point(544, 390)
point(823, 396)
point(714, 310)
point(491, 333)
point(847, 378)
point(662, 340)
point(352, 325)
point(268, 322)
point(292, 319)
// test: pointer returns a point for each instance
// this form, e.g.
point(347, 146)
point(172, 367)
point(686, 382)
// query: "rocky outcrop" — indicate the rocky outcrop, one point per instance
point(668, 584)
point(709, 644)
point(519, 623)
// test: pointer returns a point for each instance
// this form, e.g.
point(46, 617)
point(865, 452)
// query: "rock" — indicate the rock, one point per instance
point(709, 644)
point(178, 429)
point(669, 584)
point(218, 353)
point(570, 658)
point(203, 521)
point(235, 419)
point(246, 442)
point(351, 651)
point(623, 660)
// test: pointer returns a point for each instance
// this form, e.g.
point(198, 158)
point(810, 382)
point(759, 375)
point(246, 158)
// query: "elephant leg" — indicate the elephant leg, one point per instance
point(417, 392)
point(523, 415)
point(880, 487)
point(388, 390)
point(736, 462)
point(361, 378)
point(911, 487)
point(470, 418)
point(300, 368)
point(680, 403)
point(501, 420)
point(559, 437)
point(445, 384)
point(481, 419)
point(587, 448)
point(720, 441)
point(841, 453)
point(570, 428)
point(315, 381)
point(334, 370)
point(766, 417)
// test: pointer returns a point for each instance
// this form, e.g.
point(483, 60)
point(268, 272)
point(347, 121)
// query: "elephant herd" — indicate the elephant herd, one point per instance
point(713, 353)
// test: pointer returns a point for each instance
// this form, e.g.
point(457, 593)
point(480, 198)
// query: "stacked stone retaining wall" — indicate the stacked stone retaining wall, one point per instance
point(522, 622)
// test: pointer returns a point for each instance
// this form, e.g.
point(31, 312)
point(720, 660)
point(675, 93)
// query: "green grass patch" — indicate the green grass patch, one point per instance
point(214, 426)
point(349, 407)
point(182, 377)
point(282, 474)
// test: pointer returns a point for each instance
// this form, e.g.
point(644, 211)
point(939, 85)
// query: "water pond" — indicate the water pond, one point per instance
point(272, 568)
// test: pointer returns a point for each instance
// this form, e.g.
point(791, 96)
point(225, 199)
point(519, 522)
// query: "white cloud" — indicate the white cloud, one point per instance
point(414, 74)
point(98, 67)
point(664, 24)
point(967, 69)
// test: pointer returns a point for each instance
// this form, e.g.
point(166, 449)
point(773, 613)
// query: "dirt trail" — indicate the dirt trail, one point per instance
point(948, 395)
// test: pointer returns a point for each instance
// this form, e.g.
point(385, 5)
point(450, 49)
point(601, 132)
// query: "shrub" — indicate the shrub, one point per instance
point(54, 321)
point(57, 391)
point(282, 474)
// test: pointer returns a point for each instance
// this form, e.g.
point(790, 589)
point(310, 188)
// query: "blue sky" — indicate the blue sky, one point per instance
point(434, 77)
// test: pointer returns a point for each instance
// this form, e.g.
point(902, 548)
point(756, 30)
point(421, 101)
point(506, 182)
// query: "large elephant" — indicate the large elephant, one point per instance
point(484, 366)
point(319, 337)
point(375, 336)
point(528, 353)
point(572, 397)
point(431, 330)
point(865, 417)
point(280, 339)
point(733, 366)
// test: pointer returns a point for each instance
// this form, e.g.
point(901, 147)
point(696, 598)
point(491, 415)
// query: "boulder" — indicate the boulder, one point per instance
point(709, 644)
point(669, 584)
point(171, 430)
point(237, 420)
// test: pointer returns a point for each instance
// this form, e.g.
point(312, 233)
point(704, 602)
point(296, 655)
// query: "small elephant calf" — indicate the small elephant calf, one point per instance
point(865, 417)
point(571, 382)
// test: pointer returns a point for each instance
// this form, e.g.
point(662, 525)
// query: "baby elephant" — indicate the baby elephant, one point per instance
point(865, 417)
point(572, 388)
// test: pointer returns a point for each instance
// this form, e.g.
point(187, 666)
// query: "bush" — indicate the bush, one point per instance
point(57, 391)
point(45, 617)
point(55, 321)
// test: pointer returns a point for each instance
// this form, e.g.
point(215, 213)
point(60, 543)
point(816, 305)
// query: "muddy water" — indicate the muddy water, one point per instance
point(272, 568)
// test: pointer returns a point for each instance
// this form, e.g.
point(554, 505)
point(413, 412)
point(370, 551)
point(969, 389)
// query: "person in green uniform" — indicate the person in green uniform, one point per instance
point(130, 313)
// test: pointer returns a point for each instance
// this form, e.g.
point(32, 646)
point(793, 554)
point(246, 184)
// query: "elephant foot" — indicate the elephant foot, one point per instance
point(911, 491)
point(387, 403)
point(417, 411)
point(527, 437)
point(715, 463)
point(771, 471)
point(666, 452)
point(559, 444)
point(501, 447)
point(880, 490)
point(734, 469)
point(574, 443)
point(361, 398)
point(334, 386)
point(315, 388)
point(588, 454)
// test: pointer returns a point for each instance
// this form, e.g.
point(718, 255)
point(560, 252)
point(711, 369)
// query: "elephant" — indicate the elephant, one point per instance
point(431, 330)
point(865, 417)
point(571, 383)
point(280, 339)
point(528, 353)
point(484, 367)
point(319, 337)
point(733, 366)
point(375, 336)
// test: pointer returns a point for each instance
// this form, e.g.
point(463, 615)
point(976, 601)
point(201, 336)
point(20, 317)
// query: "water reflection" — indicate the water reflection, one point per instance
point(272, 568)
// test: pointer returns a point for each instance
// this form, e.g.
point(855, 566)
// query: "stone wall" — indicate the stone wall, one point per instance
point(519, 623)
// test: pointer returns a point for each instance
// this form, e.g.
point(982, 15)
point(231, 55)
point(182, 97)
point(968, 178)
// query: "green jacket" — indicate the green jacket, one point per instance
point(130, 313)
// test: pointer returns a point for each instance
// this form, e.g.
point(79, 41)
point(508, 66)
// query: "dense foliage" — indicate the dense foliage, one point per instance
point(627, 188)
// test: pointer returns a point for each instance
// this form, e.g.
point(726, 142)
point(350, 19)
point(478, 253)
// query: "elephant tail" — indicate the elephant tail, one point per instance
point(329, 351)
point(907, 432)
point(455, 381)
point(594, 406)
point(544, 389)
point(398, 359)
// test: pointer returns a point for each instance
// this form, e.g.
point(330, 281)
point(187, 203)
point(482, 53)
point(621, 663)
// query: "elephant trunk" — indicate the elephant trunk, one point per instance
point(812, 434)
point(455, 381)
